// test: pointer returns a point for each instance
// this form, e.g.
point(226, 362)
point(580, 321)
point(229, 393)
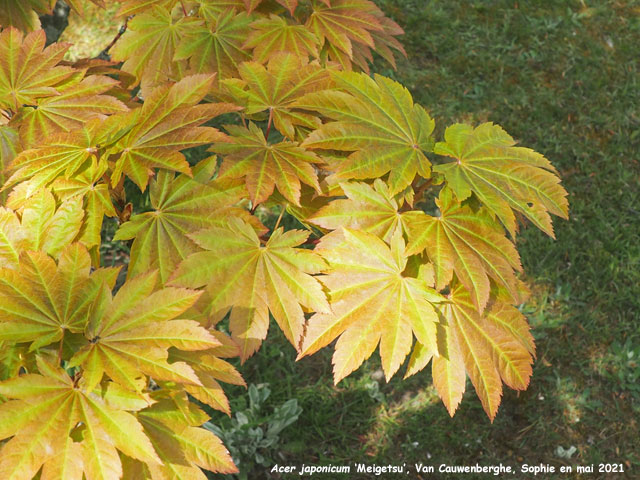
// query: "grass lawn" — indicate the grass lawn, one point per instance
point(562, 78)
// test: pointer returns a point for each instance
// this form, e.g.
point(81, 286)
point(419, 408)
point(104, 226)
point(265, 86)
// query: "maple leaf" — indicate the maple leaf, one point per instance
point(210, 10)
point(471, 244)
point(254, 280)
point(180, 206)
point(216, 48)
point(96, 199)
point(180, 444)
point(69, 110)
point(493, 348)
point(266, 166)
point(133, 7)
point(385, 41)
point(277, 87)
point(130, 334)
point(9, 148)
point(214, 7)
point(251, 5)
point(290, 5)
point(273, 35)
point(149, 45)
point(42, 226)
point(28, 70)
point(42, 301)
point(167, 122)
point(310, 203)
point(502, 176)
point(210, 370)
point(15, 359)
point(79, 5)
point(23, 15)
point(64, 154)
point(45, 410)
point(377, 121)
point(370, 209)
point(447, 370)
point(372, 303)
point(343, 22)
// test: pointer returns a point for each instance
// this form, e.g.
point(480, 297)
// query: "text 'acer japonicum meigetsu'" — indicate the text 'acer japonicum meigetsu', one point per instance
point(405, 243)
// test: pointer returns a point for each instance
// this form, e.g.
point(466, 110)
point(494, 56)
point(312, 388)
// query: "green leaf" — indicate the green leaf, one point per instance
point(23, 15)
point(70, 110)
point(130, 335)
point(341, 22)
point(368, 209)
point(276, 87)
point(149, 45)
point(502, 176)
point(494, 347)
point(9, 148)
point(97, 203)
point(40, 301)
point(183, 448)
point(168, 121)
point(181, 205)
point(266, 166)
point(471, 244)
point(63, 155)
point(28, 70)
point(273, 35)
point(377, 121)
point(47, 408)
point(254, 280)
point(447, 370)
point(216, 47)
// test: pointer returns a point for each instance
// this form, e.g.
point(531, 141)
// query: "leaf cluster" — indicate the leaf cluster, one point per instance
point(405, 243)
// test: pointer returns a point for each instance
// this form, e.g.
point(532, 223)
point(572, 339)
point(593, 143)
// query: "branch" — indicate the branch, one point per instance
point(123, 29)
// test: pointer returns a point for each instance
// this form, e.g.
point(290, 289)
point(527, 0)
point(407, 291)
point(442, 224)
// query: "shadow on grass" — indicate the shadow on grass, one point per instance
point(573, 404)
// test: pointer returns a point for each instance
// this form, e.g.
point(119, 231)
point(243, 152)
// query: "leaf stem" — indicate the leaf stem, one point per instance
point(284, 207)
point(184, 9)
point(60, 347)
point(418, 192)
point(422, 188)
point(266, 135)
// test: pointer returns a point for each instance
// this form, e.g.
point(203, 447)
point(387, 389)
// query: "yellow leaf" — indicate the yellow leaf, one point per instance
point(371, 301)
point(254, 280)
point(471, 244)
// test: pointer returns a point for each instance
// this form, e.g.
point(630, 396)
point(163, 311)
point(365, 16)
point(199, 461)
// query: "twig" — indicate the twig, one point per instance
point(123, 29)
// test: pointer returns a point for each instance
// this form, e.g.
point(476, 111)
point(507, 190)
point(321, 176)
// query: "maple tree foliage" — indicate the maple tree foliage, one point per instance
point(406, 243)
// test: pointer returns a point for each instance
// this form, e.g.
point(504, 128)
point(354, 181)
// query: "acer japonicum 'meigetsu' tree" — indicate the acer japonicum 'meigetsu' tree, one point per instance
point(405, 243)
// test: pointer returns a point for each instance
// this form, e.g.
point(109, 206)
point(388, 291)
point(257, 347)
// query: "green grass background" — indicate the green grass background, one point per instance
point(562, 78)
